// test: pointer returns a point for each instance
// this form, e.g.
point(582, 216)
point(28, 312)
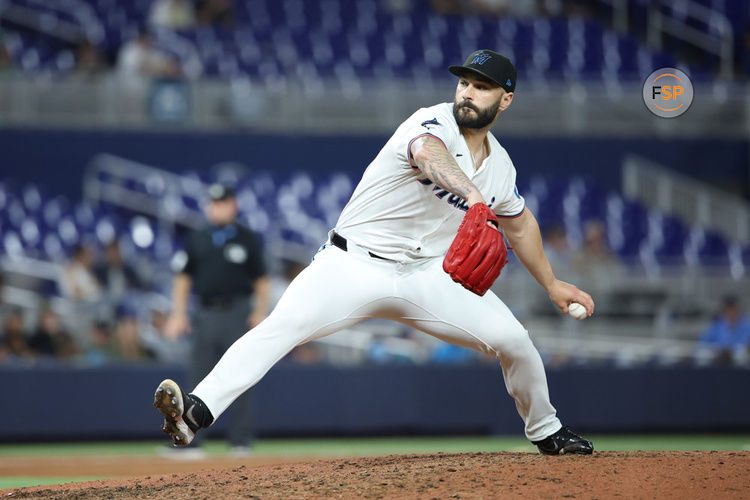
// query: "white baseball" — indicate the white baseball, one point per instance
point(577, 311)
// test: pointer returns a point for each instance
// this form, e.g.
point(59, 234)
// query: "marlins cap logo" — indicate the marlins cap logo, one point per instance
point(481, 58)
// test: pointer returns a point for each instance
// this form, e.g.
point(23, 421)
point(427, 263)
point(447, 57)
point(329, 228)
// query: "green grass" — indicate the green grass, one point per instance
point(78, 449)
point(681, 442)
point(282, 447)
point(390, 445)
point(23, 482)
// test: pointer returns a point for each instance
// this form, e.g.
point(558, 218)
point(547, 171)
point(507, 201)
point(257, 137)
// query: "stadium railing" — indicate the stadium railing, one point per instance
point(560, 108)
point(697, 203)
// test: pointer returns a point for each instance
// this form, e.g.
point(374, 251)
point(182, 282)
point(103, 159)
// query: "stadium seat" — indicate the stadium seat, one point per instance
point(377, 43)
point(304, 208)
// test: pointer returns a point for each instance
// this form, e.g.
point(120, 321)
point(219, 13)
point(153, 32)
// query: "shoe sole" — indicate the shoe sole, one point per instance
point(570, 450)
point(168, 400)
point(576, 451)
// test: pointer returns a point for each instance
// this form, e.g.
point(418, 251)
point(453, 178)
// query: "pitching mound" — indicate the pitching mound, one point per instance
point(473, 475)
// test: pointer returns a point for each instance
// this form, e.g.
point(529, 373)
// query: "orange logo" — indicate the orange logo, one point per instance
point(668, 92)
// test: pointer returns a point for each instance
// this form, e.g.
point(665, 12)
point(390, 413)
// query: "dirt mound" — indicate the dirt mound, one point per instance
point(446, 476)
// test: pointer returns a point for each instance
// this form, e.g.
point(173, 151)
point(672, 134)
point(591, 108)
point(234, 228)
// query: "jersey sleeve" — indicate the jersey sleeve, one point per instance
point(424, 122)
point(511, 203)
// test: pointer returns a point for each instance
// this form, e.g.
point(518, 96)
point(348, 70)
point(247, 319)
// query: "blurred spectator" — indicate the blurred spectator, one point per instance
point(745, 52)
point(217, 12)
point(50, 339)
point(102, 350)
point(88, 59)
point(398, 6)
point(596, 264)
point(166, 350)
point(452, 354)
point(515, 8)
point(139, 61)
point(115, 276)
point(172, 14)
point(306, 354)
point(727, 337)
point(13, 339)
point(378, 353)
point(446, 7)
point(127, 338)
point(5, 308)
point(79, 282)
point(6, 61)
point(579, 8)
point(404, 345)
point(551, 8)
point(558, 251)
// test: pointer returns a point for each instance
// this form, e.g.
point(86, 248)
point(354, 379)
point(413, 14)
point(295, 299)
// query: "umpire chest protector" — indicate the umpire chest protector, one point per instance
point(223, 261)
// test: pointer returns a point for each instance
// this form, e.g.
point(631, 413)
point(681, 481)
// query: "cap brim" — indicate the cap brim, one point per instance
point(461, 70)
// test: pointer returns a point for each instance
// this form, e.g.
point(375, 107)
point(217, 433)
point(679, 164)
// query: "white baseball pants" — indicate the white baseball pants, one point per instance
point(340, 288)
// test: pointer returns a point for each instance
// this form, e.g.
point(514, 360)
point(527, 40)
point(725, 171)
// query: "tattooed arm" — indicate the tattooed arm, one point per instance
point(438, 165)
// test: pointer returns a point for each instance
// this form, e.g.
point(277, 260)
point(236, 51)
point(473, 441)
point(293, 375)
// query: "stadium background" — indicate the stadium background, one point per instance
point(288, 101)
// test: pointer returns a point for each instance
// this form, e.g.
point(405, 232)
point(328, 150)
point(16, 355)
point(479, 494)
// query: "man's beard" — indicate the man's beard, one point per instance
point(482, 119)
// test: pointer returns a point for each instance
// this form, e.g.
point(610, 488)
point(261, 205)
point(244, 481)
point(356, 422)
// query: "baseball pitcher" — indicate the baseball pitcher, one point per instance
point(419, 242)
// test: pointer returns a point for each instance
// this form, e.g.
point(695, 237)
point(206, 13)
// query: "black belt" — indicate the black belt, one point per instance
point(340, 242)
point(220, 301)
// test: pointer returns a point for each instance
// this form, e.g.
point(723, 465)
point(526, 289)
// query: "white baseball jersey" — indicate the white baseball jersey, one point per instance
point(397, 213)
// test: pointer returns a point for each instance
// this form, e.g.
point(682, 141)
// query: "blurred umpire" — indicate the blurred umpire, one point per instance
point(223, 264)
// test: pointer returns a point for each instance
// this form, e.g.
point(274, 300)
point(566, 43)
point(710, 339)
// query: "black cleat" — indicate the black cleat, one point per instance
point(169, 400)
point(565, 441)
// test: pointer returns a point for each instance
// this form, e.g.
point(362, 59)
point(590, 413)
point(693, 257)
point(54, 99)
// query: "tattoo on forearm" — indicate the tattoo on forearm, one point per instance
point(438, 165)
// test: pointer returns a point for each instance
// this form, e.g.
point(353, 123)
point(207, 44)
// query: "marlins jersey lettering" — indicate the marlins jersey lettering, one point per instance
point(397, 213)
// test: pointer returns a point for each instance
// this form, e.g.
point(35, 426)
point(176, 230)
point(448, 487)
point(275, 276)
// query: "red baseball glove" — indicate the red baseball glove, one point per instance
point(478, 252)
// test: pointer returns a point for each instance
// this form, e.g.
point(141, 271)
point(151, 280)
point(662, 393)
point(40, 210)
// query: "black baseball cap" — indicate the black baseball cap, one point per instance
point(489, 64)
point(219, 192)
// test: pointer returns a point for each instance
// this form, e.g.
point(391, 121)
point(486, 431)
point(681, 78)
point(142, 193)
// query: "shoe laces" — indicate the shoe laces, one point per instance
point(569, 430)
